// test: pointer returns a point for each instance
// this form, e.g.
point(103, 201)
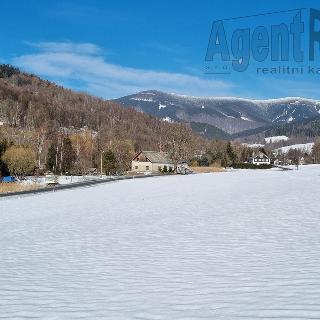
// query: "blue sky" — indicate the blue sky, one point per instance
point(114, 48)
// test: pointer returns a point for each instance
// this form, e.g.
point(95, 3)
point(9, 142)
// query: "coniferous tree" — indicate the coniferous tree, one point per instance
point(51, 158)
point(6, 70)
point(109, 162)
point(204, 161)
point(68, 155)
point(231, 154)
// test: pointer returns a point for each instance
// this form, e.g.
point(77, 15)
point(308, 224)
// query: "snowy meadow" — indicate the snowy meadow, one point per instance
point(242, 244)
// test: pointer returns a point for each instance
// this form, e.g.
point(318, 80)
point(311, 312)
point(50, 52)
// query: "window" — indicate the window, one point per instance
point(136, 167)
point(147, 167)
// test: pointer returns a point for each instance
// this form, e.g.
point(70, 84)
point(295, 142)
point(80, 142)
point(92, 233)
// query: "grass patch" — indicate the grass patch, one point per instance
point(207, 169)
point(16, 187)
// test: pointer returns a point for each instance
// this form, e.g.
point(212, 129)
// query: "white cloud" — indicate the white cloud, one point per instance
point(84, 66)
point(77, 48)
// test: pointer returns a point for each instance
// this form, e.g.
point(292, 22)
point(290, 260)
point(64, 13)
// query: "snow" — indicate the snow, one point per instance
point(260, 102)
point(226, 114)
point(142, 99)
point(241, 244)
point(290, 119)
point(253, 145)
point(63, 179)
point(285, 100)
point(304, 147)
point(275, 139)
point(161, 106)
point(245, 118)
point(167, 119)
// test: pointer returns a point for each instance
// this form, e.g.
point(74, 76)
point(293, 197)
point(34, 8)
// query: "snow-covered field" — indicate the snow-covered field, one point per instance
point(304, 147)
point(241, 244)
point(275, 139)
point(41, 180)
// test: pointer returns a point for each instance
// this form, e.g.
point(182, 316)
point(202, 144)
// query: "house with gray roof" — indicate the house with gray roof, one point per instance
point(259, 159)
point(151, 161)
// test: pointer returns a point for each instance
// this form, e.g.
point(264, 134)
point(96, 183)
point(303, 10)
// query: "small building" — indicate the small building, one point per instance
point(259, 159)
point(302, 161)
point(152, 161)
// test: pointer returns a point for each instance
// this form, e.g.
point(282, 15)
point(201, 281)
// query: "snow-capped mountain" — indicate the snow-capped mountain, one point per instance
point(231, 115)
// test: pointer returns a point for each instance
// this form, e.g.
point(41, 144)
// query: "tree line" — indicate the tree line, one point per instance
point(44, 126)
point(68, 131)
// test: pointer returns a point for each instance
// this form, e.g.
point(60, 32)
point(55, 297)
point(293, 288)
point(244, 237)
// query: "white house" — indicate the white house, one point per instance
point(260, 158)
point(152, 161)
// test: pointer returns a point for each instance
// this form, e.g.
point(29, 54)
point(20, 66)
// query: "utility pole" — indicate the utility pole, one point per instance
point(101, 162)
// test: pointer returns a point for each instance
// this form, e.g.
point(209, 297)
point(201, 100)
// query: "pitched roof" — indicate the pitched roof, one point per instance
point(157, 157)
point(261, 155)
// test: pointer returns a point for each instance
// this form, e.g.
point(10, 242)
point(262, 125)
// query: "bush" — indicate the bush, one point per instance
point(165, 169)
point(204, 162)
point(20, 160)
point(194, 163)
point(251, 166)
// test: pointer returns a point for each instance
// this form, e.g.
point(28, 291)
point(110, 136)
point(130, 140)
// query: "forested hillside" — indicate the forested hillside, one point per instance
point(306, 130)
point(28, 102)
point(53, 121)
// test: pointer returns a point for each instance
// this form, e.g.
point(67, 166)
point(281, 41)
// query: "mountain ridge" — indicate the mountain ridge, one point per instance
point(229, 114)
